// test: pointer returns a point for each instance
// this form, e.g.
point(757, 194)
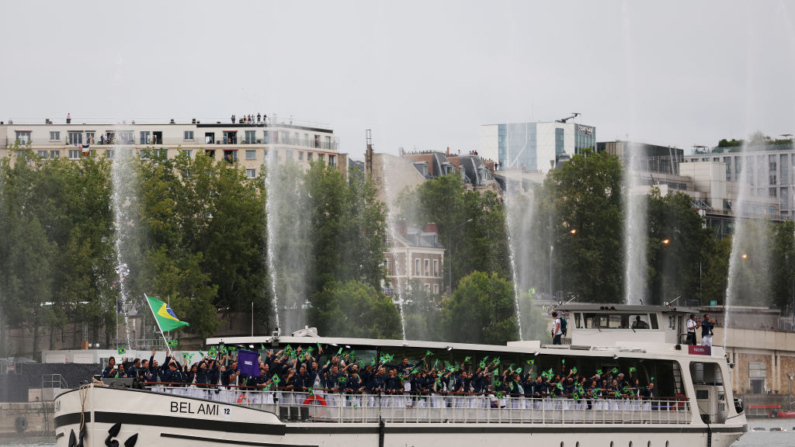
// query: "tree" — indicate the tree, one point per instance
point(782, 253)
point(422, 312)
point(355, 309)
point(584, 196)
point(677, 243)
point(481, 310)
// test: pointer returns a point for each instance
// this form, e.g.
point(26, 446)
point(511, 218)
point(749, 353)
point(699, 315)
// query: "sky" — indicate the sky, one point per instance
point(423, 75)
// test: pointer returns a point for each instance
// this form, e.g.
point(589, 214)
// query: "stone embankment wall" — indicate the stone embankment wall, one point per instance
point(26, 418)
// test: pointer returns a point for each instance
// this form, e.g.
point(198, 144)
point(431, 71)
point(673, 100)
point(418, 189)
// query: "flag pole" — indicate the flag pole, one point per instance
point(158, 326)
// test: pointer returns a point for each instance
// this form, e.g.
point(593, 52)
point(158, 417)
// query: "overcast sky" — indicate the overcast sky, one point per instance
point(422, 74)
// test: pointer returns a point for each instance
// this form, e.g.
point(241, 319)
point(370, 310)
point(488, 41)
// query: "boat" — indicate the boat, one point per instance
point(690, 405)
point(782, 414)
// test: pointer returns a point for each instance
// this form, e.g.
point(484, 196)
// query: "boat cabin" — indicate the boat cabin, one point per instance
point(609, 324)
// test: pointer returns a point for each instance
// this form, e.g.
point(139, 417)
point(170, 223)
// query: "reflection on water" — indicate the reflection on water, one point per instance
point(765, 438)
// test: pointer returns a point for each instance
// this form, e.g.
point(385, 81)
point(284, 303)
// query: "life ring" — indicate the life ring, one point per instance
point(242, 399)
point(317, 400)
point(21, 424)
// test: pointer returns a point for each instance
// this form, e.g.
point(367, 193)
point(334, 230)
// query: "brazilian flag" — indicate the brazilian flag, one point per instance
point(164, 315)
point(122, 350)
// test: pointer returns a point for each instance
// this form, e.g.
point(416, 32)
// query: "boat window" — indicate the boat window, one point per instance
point(706, 373)
point(653, 319)
point(578, 320)
point(639, 321)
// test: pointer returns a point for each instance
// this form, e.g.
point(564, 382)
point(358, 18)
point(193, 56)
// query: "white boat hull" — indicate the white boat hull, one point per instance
point(172, 420)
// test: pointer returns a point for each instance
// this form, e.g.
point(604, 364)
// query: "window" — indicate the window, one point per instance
point(328, 142)
point(251, 137)
point(76, 138)
point(436, 289)
point(126, 137)
point(188, 135)
point(308, 156)
point(209, 138)
point(188, 152)
point(230, 156)
point(417, 267)
point(427, 287)
point(267, 136)
point(427, 266)
point(288, 154)
point(230, 137)
point(317, 141)
point(436, 268)
point(42, 154)
point(300, 156)
point(251, 173)
point(146, 137)
point(109, 154)
point(306, 139)
point(332, 161)
point(74, 154)
point(251, 154)
point(55, 154)
point(783, 200)
point(784, 169)
point(55, 136)
point(23, 137)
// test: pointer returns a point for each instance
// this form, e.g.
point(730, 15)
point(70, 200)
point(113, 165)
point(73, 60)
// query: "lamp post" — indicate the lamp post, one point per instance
point(450, 248)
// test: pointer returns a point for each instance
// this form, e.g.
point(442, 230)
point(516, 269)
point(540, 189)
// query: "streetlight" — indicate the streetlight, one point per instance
point(666, 241)
point(450, 248)
point(745, 256)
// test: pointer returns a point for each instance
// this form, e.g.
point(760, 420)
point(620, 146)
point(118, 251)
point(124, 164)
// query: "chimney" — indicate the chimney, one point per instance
point(172, 121)
point(193, 121)
point(447, 154)
point(402, 229)
point(431, 227)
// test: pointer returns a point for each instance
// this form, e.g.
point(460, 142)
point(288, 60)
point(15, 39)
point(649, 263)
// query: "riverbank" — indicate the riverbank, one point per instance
point(28, 419)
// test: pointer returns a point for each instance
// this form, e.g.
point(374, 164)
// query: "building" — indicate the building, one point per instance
point(648, 157)
point(769, 172)
point(415, 254)
point(534, 146)
point(476, 172)
point(246, 145)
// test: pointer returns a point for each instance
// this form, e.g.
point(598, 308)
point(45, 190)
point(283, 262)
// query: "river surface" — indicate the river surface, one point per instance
point(751, 439)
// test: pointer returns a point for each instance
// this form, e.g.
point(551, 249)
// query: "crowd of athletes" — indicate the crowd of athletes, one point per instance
point(311, 371)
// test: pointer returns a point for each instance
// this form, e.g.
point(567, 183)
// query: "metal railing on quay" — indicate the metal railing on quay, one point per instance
point(330, 406)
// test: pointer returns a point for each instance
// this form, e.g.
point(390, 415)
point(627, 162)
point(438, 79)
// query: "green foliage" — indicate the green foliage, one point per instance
point(585, 196)
point(481, 310)
point(480, 244)
point(422, 311)
point(355, 309)
point(676, 268)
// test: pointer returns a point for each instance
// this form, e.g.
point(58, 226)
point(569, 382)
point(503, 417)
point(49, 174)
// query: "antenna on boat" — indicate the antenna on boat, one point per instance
point(567, 302)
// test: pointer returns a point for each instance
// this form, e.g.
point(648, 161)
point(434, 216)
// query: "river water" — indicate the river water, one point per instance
point(751, 439)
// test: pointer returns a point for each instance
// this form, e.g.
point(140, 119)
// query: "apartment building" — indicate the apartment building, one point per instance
point(415, 254)
point(246, 145)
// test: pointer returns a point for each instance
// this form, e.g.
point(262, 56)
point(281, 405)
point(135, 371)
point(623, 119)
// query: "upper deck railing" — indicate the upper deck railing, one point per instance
point(324, 406)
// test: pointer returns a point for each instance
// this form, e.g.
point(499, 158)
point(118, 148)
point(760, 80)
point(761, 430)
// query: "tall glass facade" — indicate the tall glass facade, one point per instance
point(517, 146)
point(584, 138)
